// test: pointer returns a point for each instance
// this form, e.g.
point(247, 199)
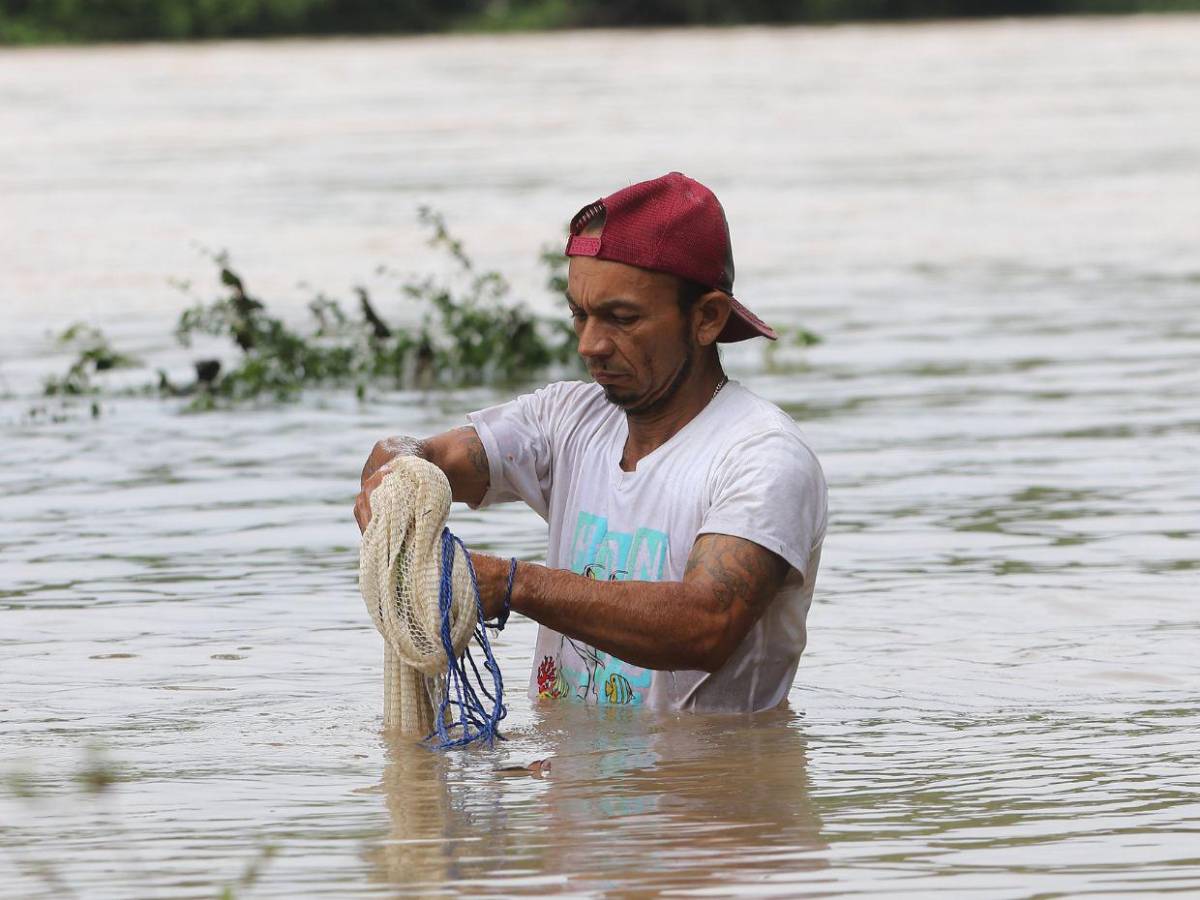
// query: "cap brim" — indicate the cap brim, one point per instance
point(743, 325)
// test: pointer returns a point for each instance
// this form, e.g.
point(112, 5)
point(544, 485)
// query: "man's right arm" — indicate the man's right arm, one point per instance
point(459, 453)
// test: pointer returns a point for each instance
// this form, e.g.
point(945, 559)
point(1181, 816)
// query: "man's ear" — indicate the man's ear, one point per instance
point(709, 316)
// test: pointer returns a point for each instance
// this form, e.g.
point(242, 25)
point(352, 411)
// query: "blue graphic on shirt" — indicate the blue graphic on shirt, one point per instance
point(605, 555)
point(638, 556)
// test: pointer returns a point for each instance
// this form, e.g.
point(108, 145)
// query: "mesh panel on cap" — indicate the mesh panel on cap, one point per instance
point(585, 215)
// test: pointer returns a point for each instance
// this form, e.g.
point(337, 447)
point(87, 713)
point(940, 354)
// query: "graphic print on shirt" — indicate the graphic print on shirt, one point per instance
point(596, 552)
point(551, 685)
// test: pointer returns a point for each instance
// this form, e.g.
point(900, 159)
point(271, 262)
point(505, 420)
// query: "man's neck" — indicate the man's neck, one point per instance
point(650, 430)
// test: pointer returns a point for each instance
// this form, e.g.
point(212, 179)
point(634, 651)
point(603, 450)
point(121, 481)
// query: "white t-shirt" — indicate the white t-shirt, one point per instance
point(740, 467)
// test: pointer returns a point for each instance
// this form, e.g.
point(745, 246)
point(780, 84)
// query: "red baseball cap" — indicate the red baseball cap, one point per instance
point(671, 224)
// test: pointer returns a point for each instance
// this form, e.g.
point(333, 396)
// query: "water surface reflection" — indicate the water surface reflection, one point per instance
point(644, 803)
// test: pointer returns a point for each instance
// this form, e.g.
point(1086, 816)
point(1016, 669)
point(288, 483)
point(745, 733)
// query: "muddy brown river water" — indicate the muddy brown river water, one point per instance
point(992, 226)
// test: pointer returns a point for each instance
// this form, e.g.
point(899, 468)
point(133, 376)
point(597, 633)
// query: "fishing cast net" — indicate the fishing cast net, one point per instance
point(419, 586)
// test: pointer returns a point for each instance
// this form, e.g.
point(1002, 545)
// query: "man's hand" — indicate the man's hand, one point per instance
point(491, 574)
point(375, 469)
point(362, 503)
point(458, 453)
point(385, 451)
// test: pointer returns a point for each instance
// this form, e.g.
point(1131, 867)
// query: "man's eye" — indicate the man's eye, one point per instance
point(625, 320)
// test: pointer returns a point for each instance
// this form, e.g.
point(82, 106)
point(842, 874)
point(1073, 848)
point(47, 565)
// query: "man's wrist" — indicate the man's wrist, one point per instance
point(501, 617)
point(491, 573)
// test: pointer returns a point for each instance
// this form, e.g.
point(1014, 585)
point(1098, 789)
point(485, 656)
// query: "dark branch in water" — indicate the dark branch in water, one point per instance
point(382, 332)
point(245, 308)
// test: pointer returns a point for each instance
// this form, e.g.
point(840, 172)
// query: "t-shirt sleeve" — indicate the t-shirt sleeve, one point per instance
point(518, 438)
point(769, 489)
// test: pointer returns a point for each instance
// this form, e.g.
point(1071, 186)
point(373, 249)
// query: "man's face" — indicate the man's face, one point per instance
point(635, 340)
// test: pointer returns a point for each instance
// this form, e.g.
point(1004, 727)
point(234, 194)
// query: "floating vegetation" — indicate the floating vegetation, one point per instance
point(95, 355)
point(464, 330)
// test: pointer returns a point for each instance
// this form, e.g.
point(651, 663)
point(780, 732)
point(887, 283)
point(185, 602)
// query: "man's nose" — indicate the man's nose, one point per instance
point(594, 342)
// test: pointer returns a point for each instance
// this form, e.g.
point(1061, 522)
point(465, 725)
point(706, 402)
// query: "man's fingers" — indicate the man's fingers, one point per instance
point(362, 508)
point(379, 456)
point(369, 469)
point(358, 514)
point(362, 503)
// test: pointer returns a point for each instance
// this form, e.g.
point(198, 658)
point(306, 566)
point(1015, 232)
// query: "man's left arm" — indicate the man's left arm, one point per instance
point(696, 623)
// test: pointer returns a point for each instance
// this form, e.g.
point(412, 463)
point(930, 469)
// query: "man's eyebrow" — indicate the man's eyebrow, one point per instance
point(610, 303)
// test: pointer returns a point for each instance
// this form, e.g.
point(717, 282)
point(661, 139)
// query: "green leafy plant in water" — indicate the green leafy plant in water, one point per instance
point(469, 332)
point(474, 334)
point(94, 354)
point(276, 360)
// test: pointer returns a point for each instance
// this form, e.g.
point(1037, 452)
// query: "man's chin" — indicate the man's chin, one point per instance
point(617, 397)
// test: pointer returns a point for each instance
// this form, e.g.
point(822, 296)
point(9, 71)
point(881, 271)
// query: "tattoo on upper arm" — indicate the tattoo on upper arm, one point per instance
point(469, 444)
point(476, 455)
point(737, 570)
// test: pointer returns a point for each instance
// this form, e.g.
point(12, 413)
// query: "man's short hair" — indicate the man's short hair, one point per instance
point(689, 294)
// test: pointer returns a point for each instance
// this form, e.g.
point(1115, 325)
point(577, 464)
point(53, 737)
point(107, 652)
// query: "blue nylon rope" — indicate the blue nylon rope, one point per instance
point(471, 718)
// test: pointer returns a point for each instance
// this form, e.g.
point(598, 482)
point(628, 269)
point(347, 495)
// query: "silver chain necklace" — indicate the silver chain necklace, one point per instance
point(720, 384)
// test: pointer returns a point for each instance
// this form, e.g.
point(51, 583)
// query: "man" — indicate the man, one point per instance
point(686, 514)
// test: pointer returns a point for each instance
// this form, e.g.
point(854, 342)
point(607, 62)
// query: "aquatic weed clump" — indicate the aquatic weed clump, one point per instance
point(468, 331)
point(94, 355)
point(465, 329)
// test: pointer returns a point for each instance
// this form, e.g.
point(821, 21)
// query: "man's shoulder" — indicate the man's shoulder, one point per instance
point(746, 415)
point(752, 426)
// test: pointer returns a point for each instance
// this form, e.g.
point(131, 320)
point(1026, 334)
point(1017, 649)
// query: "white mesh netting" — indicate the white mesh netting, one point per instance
point(399, 573)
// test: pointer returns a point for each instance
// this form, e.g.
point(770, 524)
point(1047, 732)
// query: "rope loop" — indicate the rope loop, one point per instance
point(473, 719)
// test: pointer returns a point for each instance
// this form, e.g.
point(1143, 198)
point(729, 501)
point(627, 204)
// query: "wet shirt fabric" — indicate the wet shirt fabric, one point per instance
point(740, 467)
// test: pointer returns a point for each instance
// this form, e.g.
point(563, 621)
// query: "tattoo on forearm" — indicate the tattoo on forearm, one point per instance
point(738, 570)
